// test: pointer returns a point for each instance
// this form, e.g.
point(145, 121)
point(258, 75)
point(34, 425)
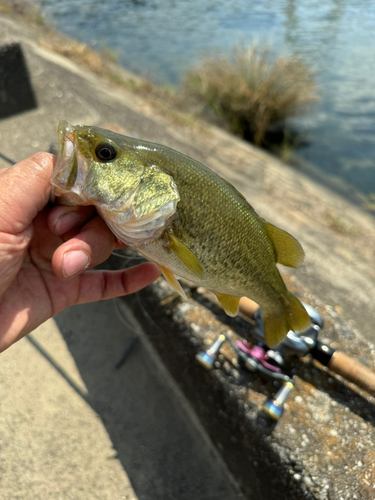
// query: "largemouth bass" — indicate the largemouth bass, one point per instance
point(179, 214)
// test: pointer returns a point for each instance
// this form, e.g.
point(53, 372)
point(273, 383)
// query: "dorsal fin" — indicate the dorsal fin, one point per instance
point(288, 251)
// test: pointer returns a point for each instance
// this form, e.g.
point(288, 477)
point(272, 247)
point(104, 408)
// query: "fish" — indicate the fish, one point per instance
point(181, 215)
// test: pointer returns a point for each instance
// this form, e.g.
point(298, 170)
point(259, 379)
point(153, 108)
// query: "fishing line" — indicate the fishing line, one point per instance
point(147, 315)
point(58, 368)
point(125, 321)
point(122, 256)
point(129, 349)
point(142, 309)
point(7, 159)
point(133, 341)
point(128, 258)
point(122, 317)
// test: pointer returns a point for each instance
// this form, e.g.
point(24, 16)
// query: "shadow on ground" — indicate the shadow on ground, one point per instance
point(163, 453)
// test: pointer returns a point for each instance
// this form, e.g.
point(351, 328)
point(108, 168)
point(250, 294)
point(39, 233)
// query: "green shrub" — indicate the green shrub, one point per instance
point(252, 90)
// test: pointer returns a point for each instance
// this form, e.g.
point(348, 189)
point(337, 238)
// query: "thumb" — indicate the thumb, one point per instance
point(25, 190)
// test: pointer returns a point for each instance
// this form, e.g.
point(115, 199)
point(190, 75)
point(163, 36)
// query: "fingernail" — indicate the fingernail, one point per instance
point(74, 262)
point(67, 222)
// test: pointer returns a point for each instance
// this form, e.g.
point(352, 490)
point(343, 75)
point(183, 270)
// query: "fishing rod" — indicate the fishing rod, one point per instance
point(271, 362)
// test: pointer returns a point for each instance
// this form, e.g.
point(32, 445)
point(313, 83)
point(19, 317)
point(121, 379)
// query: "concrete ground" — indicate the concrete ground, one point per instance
point(74, 427)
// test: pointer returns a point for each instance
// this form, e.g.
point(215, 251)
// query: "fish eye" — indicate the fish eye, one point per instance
point(105, 152)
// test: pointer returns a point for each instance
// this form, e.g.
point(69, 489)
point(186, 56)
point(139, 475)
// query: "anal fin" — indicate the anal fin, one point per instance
point(173, 281)
point(229, 303)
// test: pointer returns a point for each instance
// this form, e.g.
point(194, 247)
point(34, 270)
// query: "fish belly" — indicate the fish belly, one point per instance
point(222, 279)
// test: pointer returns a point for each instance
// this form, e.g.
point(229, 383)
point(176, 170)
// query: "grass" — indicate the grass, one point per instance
point(340, 224)
point(253, 91)
point(76, 51)
point(368, 202)
point(22, 8)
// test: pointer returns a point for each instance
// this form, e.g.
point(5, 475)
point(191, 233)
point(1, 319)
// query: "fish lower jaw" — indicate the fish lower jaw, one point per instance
point(139, 231)
point(132, 234)
point(68, 198)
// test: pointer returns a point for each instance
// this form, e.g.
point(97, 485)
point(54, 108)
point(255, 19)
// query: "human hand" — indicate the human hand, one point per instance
point(45, 252)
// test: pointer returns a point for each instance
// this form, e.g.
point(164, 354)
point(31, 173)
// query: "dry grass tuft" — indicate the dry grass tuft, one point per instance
point(368, 202)
point(28, 10)
point(339, 224)
point(77, 52)
point(252, 90)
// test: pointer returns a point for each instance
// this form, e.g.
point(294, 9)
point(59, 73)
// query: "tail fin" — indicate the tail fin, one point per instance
point(298, 319)
point(294, 317)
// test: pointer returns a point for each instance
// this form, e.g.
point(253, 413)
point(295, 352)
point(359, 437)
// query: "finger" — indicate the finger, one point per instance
point(99, 285)
point(92, 246)
point(25, 190)
point(62, 219)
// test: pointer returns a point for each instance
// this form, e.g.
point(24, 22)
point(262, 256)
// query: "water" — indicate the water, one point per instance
point(162, 38)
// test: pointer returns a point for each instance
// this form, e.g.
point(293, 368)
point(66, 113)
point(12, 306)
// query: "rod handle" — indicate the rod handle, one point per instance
point(353, 371)
point(248, 307)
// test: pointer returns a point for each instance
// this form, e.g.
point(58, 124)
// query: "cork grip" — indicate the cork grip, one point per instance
point(247, 307)
point(353, 371)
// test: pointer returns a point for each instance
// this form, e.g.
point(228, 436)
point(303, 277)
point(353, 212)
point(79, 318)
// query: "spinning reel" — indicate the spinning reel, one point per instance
point(259, 358)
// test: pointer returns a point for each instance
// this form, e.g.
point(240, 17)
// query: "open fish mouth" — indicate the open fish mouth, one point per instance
point(71, 167)
point(135, 197)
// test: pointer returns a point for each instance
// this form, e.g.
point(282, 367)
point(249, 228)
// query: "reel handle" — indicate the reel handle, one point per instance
point(353, 371)
point(207, 358)
point(274, 408)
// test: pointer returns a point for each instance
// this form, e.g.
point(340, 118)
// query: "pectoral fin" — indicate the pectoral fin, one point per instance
point(173, 282)
point(288, 251)
point(186, 256)
point(229, 303)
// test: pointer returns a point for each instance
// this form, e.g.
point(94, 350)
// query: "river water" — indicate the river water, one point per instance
point(162, 38)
